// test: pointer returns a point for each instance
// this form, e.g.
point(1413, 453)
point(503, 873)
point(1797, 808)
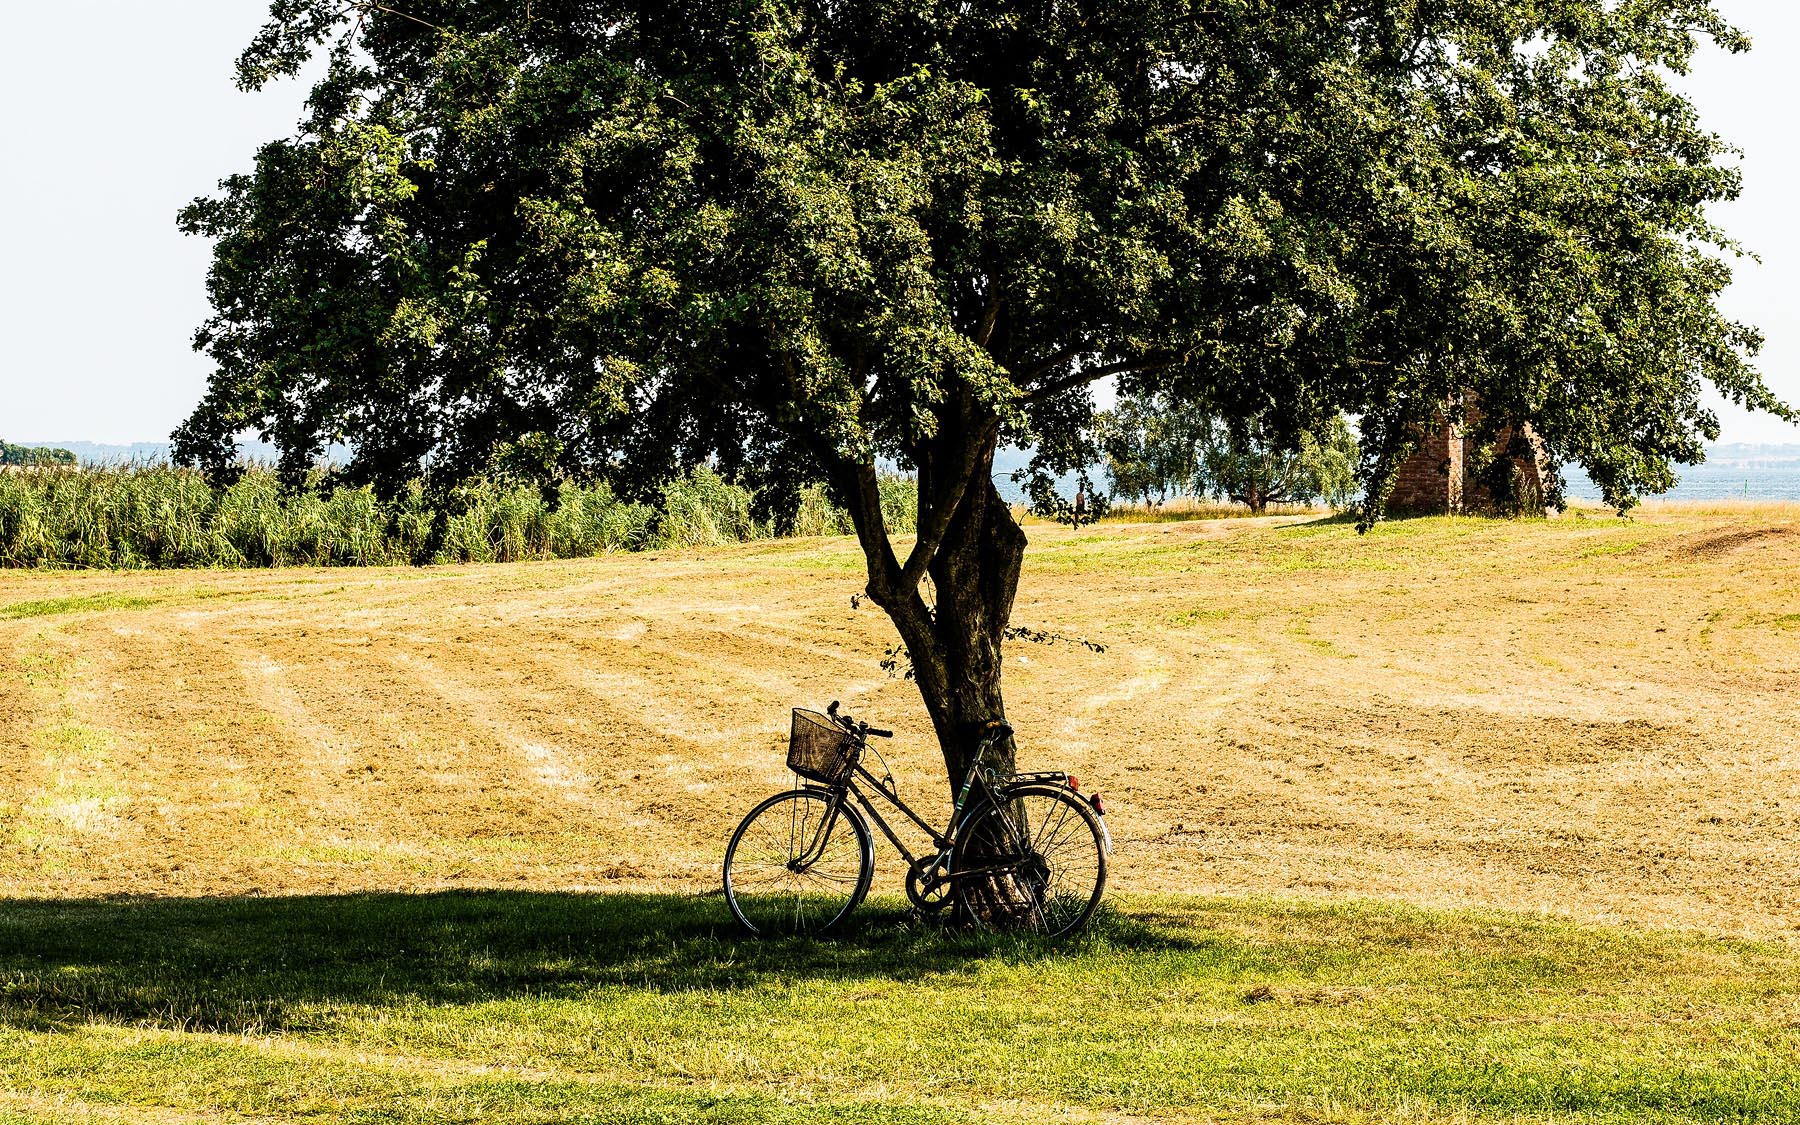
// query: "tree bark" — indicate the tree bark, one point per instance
point(955, 644)
point(976, 577)
point(956, 640)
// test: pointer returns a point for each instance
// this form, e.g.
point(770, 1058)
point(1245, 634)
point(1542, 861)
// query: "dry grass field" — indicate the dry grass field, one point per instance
point(1589, 717)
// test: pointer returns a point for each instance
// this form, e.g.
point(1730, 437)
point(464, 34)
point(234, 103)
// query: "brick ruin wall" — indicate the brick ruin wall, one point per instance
point(1436, 479)
point(1431, 480)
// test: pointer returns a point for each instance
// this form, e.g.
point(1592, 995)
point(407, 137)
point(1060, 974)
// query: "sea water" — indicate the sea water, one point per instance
point(1713, 481)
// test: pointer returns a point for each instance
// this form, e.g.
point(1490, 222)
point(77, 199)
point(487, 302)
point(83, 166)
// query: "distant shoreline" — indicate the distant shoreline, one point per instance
point(1732, 470)
point(1773, 479)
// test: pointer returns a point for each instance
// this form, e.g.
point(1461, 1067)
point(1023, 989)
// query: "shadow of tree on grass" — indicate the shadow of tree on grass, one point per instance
point(259, 965)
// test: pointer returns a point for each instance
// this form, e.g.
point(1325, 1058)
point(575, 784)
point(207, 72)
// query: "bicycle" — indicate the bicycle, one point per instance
point(1022, 851)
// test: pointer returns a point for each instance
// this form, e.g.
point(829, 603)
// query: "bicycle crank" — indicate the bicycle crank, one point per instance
point(926, 887)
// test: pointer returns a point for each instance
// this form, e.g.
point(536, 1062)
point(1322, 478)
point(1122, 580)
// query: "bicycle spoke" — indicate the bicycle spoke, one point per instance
point(775, 882)
point(1048, 828)
point(1047, 867)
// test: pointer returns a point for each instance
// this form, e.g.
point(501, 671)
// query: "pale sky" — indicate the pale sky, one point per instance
point(118, 112)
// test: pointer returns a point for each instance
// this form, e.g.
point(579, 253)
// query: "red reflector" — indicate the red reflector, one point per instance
point(1098, 806)
point(1075, 783)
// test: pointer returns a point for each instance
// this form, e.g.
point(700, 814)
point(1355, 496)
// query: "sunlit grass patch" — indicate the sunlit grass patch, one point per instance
point(1189, 617)
point(77, 741)
point(1616, 546)
point(79, 603)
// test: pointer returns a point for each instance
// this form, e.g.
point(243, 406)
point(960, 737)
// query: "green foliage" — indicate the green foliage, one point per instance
point(12, 455)
point(50, 607)
point(1152, 449)
point(619, 239)
point(1508, 465)
point(1155, 448)
point(514, 1007)
point(147, 516)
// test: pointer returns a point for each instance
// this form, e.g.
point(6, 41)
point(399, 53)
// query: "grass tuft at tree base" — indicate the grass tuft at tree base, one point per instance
point(519, 1006)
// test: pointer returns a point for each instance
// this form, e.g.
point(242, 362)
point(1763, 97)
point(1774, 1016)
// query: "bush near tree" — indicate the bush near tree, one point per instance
point(576, 239)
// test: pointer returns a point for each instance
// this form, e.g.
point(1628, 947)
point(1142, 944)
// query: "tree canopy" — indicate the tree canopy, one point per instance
point(1243, 463)
point(1151, 449)
point(615, 238)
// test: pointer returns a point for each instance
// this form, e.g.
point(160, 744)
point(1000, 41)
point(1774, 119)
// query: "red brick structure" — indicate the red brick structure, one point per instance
point(1439, 478)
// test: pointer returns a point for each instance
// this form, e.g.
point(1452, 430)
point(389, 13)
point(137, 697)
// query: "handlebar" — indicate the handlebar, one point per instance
point(860, 729)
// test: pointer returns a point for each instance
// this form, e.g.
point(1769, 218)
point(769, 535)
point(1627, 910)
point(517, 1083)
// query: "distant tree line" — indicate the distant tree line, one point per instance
point(11, 454)
point(1155, 449)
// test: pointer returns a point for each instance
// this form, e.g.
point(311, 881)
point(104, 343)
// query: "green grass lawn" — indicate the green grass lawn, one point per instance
point(541, 1007)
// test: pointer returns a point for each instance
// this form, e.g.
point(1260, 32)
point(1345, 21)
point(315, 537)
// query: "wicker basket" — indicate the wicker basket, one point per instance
point(819, 749)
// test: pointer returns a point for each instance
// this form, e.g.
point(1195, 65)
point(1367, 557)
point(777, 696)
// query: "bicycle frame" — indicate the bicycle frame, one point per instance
point(944, 841)
point(1015, 853)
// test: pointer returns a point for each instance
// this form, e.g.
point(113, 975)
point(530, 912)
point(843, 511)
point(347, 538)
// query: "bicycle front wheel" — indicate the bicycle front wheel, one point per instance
point(1033, 861)
point(798, 864)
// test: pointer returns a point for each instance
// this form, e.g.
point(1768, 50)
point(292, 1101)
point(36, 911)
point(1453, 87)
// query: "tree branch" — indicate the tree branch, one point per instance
point(890, 584)
point(1095, 374)
point(931, 534)
point(1056, 360)
point(886, 581)
point(988, 319)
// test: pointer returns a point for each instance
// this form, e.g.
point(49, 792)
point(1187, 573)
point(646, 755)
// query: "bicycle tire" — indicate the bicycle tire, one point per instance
point(1052, 885)
point(767, 895)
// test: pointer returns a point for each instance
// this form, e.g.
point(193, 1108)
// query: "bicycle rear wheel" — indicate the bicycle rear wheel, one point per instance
point(1032, 862)
point(798, 864)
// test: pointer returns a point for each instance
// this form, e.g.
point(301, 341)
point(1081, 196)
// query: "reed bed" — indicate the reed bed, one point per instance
point(154, 516)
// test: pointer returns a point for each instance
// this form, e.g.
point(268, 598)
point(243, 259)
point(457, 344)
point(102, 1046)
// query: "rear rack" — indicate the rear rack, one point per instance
point(1054, 777)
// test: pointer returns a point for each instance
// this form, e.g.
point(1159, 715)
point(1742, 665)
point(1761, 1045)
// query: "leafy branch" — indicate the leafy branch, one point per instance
point(896, 661)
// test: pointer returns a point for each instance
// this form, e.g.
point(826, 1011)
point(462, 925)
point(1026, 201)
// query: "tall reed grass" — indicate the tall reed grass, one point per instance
point(145, 516)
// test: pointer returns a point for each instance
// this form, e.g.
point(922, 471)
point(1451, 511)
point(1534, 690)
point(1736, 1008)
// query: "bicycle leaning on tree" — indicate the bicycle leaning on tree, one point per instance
point(1021, 851)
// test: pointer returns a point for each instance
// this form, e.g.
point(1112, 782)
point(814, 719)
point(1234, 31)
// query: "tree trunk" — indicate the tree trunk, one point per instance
point(1257, 501)
point(955, 644)
point(975, 576)
point(956, 640)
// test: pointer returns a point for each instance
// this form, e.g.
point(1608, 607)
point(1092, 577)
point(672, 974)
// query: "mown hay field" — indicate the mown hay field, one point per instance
point(1590, 716)
point(1460, 819)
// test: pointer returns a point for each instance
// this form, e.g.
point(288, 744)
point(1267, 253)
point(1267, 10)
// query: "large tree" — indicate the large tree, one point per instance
point(1151, 449)
point(611, 237)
